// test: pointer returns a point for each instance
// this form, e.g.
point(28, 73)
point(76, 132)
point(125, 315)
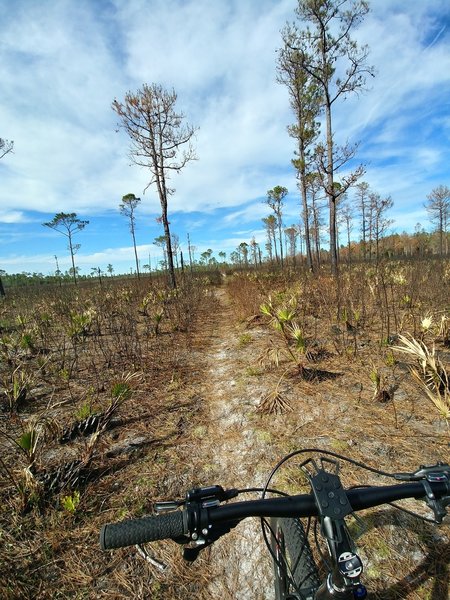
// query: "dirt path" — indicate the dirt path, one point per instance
point(235, 451)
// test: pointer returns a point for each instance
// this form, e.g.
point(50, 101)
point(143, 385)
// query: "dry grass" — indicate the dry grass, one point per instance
point(193, 420)
point(48, 546)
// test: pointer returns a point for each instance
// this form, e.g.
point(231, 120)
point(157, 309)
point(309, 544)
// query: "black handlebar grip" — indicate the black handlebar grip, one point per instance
point(139, 531)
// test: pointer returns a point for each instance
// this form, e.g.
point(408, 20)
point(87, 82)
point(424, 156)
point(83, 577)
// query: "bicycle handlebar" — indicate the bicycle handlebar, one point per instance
point(178, 524)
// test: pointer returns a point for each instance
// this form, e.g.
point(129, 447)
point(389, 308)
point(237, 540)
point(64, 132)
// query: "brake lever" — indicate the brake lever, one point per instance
point(211, 535)
point(197, 502)
point(439, 507)
point(440, 472)
point(167, 506)
point(439, 469)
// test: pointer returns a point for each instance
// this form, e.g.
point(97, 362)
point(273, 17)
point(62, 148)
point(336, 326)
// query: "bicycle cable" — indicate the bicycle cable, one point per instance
point(412, 513)
point(259, 489)
point(319, 547)
point(329, 453)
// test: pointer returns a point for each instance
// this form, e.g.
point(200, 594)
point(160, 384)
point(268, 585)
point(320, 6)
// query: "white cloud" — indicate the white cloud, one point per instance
point(67, 155)
point(406, 70)
point(62, 63)
point(121, 258)
point(225, 76)
point(12, 216)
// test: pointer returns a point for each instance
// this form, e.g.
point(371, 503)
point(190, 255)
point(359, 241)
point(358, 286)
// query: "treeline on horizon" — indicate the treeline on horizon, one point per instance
point(397, 246)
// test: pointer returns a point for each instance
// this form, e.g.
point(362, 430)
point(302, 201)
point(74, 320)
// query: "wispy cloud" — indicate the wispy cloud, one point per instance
point(62, 63)
point(12, 216)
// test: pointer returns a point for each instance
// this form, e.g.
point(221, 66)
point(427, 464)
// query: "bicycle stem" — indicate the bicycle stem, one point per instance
point(347, 567)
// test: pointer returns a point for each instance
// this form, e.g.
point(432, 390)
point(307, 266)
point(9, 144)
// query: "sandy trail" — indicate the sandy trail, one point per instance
point(237, 454)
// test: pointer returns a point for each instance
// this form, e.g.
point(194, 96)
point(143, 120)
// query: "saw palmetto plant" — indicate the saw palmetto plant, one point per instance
point(429, 372)
point(80, 324)
point(97, 422)
point(16, 386)
point(34, 432)
point(283, 319)
point(153, 306)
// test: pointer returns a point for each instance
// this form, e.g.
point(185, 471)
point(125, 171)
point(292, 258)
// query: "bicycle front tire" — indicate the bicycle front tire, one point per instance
point(295, 571)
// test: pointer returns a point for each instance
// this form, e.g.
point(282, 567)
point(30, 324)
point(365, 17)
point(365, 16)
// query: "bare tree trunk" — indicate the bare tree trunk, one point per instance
point(349, 258)
point(189, 252)
point(275, 248)
point(172, 280)
point(74, 273)
point(135, 253)
point(316, 228)
point(330, 195)
point(280, 235)
point(309, 260)
point(182, 261)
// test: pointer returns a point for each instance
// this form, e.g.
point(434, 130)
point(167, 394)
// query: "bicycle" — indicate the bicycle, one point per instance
point(201, 518)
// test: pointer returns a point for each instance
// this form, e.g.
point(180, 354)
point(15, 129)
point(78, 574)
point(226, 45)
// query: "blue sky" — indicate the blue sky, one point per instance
point(62, 63)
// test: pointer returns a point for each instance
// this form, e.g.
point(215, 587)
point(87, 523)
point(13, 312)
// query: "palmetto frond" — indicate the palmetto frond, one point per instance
point(296, 333)
point(271, 356)
point(429, 373)
point(274, 403)
point(36, 430)
point(439, 395)
point(266, 308)
point(285, 315)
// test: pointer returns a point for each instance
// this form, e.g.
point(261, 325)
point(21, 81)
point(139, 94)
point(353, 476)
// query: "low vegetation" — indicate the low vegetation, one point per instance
point(104, 408)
